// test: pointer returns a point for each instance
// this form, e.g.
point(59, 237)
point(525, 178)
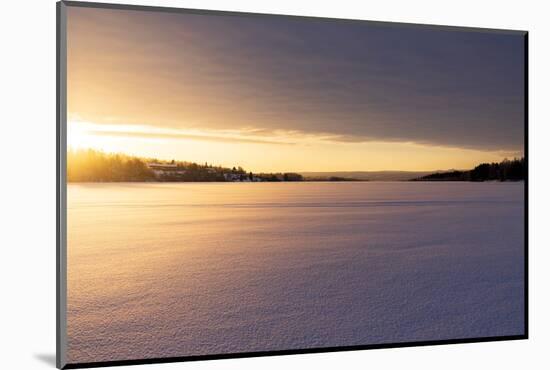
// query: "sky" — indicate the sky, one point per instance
point(288, 94)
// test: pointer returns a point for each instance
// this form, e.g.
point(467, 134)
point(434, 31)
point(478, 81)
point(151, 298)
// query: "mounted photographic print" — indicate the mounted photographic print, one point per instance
point(234, 184)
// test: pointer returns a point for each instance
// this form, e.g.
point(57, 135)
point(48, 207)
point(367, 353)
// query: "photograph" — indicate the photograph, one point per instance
point(245, 184)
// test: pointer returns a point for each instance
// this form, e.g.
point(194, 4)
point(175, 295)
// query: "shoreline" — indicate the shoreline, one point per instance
point(294, 182)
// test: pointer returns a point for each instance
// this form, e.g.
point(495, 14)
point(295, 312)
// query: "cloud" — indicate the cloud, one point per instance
point(181, 136)
point(351, 82)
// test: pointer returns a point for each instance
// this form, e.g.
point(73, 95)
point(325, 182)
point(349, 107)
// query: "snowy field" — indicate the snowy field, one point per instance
point(162, 270)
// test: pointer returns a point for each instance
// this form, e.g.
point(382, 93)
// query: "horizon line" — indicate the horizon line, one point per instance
point(144, 158)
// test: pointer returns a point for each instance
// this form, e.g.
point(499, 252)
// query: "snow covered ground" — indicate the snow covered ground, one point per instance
point(161, 270)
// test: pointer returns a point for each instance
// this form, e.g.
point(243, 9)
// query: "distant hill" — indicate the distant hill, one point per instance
point(369, 175)
point(88, 165)
point(507, 170)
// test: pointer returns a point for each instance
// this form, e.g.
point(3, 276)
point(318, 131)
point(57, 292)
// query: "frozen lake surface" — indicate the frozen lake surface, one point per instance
point(162, 270)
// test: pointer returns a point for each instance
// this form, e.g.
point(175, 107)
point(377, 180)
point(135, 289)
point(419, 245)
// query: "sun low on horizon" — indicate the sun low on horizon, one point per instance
point(277, 153)
point(276, 95)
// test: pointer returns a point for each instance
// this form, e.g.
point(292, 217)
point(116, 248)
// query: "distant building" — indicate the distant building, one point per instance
point(232, 177)
point(166, 169)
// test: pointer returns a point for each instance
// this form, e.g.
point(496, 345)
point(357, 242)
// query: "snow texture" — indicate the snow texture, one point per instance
point(162, 270)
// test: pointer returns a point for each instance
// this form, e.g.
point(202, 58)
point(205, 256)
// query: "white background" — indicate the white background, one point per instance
point(27, 148)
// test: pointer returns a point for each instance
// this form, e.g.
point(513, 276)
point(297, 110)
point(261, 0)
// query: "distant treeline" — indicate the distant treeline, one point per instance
point(330, 178)
point(95, 166)
point(280, 176)
point(88, 165)
point(507, 170)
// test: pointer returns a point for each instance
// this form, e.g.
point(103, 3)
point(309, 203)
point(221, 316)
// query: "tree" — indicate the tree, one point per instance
point(507, 170)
